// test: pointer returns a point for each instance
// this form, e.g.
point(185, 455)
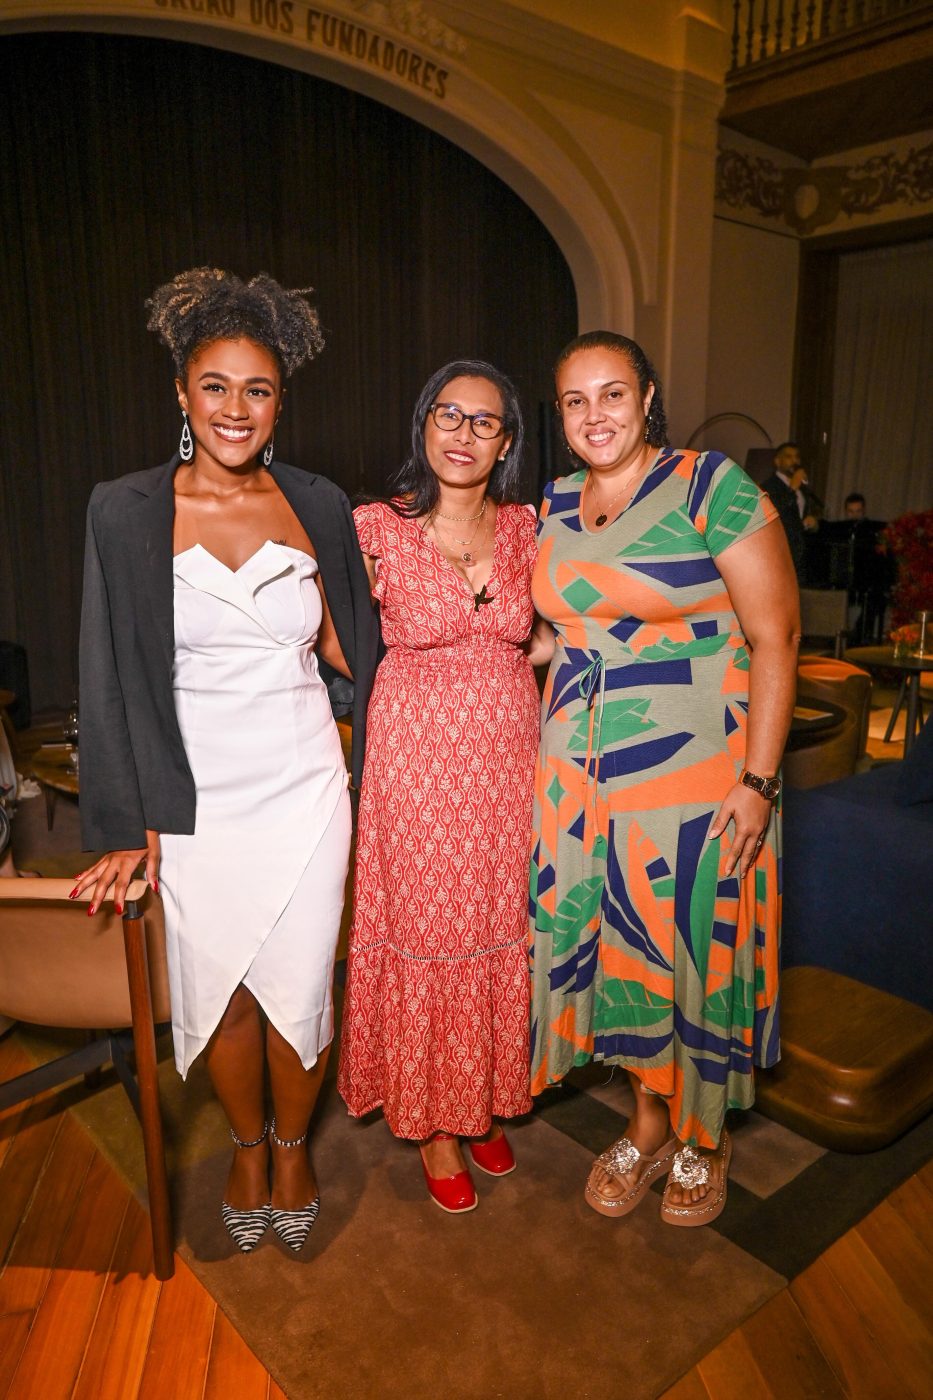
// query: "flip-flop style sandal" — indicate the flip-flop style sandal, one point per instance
point(620, 1160)
point(690, 1169)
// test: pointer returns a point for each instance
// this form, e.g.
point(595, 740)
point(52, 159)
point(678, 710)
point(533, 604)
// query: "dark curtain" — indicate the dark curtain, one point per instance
point(126, 160)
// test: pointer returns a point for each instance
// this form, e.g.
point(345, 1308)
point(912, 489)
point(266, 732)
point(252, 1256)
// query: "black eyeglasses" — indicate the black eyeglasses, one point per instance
point(448, 418)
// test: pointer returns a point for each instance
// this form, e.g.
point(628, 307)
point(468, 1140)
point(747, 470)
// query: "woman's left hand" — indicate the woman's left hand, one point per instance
point(750, 813)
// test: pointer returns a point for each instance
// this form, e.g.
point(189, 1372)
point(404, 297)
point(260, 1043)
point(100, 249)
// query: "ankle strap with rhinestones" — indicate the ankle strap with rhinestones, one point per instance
point(255, 1142)
point(283, 1142)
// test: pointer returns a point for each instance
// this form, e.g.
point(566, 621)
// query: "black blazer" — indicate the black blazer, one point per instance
point(785, 502)
point(134, 770)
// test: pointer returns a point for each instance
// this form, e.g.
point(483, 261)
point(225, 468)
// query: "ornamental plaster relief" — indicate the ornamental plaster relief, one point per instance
point(872, 185)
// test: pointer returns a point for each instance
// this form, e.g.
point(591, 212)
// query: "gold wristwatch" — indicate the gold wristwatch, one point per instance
point(767, 787)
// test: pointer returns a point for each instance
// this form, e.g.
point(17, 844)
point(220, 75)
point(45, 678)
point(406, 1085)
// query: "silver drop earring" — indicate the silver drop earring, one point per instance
point(186, 443)
point(269, 452)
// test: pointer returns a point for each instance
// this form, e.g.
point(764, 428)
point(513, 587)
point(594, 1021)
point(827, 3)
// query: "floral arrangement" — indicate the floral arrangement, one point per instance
point(905, 638)
point(909, 541)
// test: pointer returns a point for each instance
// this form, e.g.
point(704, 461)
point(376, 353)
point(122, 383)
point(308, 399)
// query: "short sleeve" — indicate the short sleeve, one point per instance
point(368, 520)
point(528, 533)
point(725, 504)
point(545, 506)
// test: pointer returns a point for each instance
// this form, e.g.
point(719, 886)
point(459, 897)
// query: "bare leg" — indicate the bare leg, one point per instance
point(650, 1124)
point(294, 1094)
point(611, 1189)
point(443, 1156)
point(649, 1128)
point(234, 1059)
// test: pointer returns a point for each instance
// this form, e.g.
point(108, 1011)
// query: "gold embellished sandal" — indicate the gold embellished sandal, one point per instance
point(621, 1160)
point(691, 1169)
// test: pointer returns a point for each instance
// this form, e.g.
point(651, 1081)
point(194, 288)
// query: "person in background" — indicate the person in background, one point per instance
point(209, 751)
point(795, 504)
point(870, 572)
point(655, 883)
point(854, 506)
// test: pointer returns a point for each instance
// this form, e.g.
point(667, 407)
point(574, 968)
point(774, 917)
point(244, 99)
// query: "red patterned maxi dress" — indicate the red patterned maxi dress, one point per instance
point(435, 1025)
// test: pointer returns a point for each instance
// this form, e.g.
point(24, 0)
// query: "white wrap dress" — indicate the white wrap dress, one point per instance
point(255, 895)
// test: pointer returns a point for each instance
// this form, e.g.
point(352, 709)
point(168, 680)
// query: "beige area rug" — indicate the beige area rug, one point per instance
point(531, 1295)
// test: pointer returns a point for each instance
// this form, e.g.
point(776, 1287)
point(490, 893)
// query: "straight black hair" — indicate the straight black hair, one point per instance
point(416, 483)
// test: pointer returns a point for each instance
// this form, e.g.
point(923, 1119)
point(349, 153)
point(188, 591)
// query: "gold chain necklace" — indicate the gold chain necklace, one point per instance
point(468, 556)
point(603, 515)
point(482, 512)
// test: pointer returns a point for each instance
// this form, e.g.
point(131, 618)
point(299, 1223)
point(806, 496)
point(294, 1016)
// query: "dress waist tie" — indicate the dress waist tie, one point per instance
point(592, 689)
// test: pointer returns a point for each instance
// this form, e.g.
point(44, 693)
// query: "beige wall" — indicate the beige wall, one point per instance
point(767, 205)
point(751, 336)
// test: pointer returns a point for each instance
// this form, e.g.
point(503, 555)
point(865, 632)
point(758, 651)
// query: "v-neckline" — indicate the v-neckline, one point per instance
point(234, 573)
point(455, 573)
point(604, 530)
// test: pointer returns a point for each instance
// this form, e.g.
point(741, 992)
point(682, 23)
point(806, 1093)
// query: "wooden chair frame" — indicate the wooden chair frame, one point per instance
point(114, 1047)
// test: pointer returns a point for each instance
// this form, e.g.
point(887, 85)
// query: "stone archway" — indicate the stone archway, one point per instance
point(394, 53)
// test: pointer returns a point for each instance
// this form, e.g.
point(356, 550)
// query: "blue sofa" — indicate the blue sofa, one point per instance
point(858, 876)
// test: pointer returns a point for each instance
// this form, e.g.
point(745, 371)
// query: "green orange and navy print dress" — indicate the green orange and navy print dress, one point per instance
point(644, 952)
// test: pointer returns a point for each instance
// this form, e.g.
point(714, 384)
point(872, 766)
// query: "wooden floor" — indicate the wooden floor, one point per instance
point(77, 1318)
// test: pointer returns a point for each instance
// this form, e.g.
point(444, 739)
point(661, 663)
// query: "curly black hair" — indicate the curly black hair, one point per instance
point(206, 303)
point(656, 420)
point(416, 483)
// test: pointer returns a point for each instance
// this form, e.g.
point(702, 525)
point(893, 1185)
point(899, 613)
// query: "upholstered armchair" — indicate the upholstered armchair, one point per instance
point(108, 975)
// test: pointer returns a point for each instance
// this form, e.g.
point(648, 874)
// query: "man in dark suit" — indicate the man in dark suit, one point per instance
point(795, 504)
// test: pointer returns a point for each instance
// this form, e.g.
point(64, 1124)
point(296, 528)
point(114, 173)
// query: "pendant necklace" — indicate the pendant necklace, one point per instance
point(466, 552)
point(603, 515)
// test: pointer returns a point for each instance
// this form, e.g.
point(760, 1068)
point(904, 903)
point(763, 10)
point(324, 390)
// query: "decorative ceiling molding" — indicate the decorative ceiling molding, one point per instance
point(409, 17)
point(810, 198)
point(886, 179)
point(745, 181)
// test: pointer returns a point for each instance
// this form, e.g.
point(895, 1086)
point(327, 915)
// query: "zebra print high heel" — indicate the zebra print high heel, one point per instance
point(247, 1227)
point(293, 1226)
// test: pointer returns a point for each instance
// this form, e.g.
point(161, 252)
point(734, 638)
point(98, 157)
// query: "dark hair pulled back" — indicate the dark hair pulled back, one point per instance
point(645, 373)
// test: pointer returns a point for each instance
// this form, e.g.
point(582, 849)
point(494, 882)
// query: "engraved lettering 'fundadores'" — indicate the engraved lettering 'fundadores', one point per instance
point(343, 36)
point(322, 30)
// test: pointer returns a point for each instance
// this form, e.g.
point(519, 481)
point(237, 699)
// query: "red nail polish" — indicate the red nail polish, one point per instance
point(73, 893)
point(155, 886)
point(91, 910)
point(119, 908)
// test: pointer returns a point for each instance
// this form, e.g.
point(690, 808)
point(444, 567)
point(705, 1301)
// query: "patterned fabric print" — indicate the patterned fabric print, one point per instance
point(435, 1025)
point(644, 953)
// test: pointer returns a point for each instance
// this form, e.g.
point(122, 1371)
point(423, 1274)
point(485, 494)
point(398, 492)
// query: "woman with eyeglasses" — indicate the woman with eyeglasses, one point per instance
point(435, 1027)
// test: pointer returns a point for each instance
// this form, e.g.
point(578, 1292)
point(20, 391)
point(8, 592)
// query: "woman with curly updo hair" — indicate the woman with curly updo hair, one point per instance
point(218, 588)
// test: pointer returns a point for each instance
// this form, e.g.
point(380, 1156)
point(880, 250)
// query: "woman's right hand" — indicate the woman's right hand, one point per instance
point(117, 868)
point(539, 647)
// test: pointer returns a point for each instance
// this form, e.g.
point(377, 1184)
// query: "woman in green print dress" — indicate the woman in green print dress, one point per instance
point(655, 892)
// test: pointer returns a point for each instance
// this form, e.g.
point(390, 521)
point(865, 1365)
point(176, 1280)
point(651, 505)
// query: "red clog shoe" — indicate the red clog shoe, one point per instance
point(456, 1194)
point(495, 1157)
